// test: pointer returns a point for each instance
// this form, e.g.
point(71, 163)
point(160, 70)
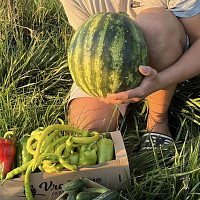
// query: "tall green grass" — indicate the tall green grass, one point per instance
point(34, 89)
point(33, 46)
point(34, 81)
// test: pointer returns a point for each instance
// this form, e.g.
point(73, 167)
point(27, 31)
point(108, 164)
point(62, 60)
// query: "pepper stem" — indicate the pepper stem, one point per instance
point(8, 133)
point(91, 145)
point(3, 182)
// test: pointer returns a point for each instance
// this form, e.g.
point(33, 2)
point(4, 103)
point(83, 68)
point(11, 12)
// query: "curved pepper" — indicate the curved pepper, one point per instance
point(49, 140)
point(37, 132)
point(68, 147)
point(16, 171)
point(56, 142)
point(29, 146)
point(94, 136)
point(62, 161)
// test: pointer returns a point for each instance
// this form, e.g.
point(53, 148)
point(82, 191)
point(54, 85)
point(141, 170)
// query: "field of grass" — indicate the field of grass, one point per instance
point(34, 89)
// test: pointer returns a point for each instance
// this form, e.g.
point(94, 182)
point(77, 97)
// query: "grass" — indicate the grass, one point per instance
point(34, 74)
point(34, 89)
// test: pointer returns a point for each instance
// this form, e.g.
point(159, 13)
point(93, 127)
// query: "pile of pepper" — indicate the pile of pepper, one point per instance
point(59, 147)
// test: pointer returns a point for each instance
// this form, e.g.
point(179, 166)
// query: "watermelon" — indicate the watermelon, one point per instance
point(105, 53)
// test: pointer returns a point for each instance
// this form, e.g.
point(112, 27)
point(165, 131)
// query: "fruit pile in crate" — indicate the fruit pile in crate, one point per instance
point(53, 149)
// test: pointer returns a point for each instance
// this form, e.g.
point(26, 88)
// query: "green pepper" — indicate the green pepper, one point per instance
point(74, 158)
point(68, 147)
point(23, 156)
point(62, 161)
point(105, 150)
point(88, 154)
point(37, 132)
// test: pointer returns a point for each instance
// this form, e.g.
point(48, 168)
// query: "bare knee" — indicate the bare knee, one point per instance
point(91, 114)
point(164, 33)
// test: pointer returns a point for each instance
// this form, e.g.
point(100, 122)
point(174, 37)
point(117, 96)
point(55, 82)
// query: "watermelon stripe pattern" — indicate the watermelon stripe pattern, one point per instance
point(105, 53)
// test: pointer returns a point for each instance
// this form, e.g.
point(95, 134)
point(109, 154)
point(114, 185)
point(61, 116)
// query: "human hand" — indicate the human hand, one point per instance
point(150, 83)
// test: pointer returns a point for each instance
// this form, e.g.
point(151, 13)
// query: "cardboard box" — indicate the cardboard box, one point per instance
point(90, 184)
point(113, 175)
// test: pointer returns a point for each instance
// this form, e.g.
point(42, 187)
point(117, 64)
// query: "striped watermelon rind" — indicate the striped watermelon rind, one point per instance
point(105, 53)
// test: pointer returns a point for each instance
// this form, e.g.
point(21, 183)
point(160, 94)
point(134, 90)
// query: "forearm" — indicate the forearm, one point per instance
point(185, 68)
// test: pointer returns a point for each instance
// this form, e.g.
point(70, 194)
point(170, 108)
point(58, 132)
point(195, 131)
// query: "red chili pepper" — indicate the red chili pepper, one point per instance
point(7, 155)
